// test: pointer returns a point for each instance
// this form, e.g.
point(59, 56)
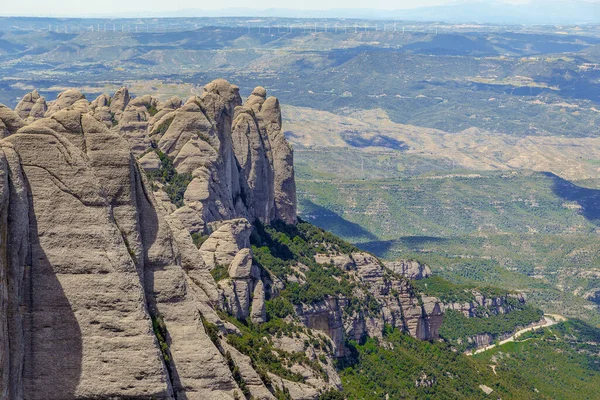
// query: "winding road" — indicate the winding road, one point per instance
point(549, 320)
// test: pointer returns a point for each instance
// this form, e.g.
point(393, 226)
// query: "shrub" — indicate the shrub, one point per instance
point(174, 183)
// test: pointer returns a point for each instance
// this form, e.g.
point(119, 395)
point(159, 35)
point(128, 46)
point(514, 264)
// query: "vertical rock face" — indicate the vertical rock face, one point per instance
point(84, 299)
point(283, 161)
point(240, 162)
point(399, 306)
point(89, 268)
point(14, 255)
point(410, 269)
point(491, 305)
point(259, 312)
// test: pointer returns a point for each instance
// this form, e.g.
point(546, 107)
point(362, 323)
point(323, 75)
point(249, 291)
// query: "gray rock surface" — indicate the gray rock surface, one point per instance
point(150, 162)
point(399, 305)
point(225, 242)
point(81, 283)
point(32, 106)
point(104, 264)
point(10, 122)
point(259, 312)
point(410, 269)
point(70, 98)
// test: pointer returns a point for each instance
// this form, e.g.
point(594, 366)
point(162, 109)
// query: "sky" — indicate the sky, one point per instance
point(114, 7)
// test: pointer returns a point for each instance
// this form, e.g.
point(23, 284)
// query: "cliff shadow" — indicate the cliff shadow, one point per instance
point(334, 223)
point(53, 350)
point(378, 247)
point(587, 199)
point(381, 248)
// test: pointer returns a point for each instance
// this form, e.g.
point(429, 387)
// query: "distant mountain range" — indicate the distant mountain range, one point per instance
point(497, 12)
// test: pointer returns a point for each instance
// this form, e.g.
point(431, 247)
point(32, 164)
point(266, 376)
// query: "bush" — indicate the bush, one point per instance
point(198, 238)
point(456, 326)
point(174, 183)
point(279, 308)
point(152, 110)
point(219, 272)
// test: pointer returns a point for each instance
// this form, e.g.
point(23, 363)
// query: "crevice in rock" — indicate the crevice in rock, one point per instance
point(213, 333)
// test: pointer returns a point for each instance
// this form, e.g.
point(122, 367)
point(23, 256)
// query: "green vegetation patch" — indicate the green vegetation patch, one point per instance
point(561, 361)
point(152, 110)
point(219, 272)
point(456, 327)
point(403, 367)
point(174, 183)
point(199, 238)
point(256, 341)
point(449, 292)
point(280, 247)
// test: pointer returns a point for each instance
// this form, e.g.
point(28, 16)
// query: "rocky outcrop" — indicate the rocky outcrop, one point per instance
point(259, 312)
point(326, 316)
point(32, 106)
point(150, 162)
point(396, 304)
point(491, 304)
point(228, 247)
point(98, 275)
point(410, 269)
point(95, 272)
point(118, 102)
point(10, 122)
point(225, 242)
point(80, 279)
point(71, 98)
point(14, 253)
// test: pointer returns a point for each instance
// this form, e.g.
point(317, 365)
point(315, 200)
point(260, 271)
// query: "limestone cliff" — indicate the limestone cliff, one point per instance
point(113, 284)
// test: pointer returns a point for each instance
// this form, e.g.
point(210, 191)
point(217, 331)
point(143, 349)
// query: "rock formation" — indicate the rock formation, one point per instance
point(106, 282)
point(410, 269)
point(32, 106)
point(491, 304)
point(399, 307)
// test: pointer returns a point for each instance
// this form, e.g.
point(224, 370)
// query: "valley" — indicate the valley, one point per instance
point(398, 222)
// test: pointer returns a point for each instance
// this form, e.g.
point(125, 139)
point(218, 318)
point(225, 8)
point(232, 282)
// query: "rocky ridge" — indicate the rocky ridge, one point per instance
point(101, 271)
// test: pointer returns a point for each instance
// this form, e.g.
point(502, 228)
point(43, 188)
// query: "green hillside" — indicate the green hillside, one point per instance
point(560, 362)
point(526, 231)
point(396, 365)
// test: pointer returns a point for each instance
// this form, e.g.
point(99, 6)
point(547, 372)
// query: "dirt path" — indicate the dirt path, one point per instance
point(549, 320)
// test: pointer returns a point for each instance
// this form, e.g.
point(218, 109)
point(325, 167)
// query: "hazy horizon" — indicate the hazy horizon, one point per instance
point(482, 9)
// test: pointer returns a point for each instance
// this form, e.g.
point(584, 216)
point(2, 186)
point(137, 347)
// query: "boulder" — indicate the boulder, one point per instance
point(225, 242)
point(32, 106)
point(259, 311)
point(71, 98)
point(150, 162)
point(10, 122)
